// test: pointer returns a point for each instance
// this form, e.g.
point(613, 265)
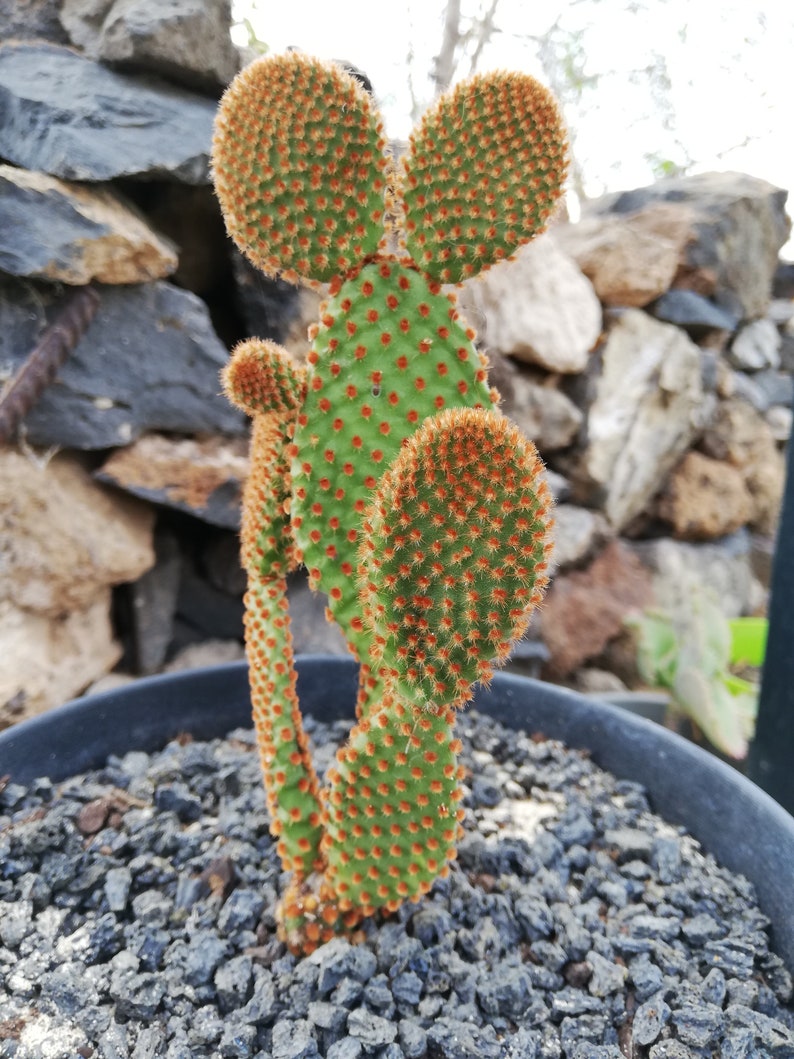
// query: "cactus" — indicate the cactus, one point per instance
point(385, 467)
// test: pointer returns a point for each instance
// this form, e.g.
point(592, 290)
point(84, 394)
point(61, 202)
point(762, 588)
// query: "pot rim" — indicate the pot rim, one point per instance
point(741, 825)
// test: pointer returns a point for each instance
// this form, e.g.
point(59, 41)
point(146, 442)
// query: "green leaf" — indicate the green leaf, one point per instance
point(748, 641)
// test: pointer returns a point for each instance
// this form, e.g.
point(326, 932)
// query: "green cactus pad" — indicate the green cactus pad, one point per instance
point(482, 175)
point(389, 352)
point(453, 552)
point(261, 378)
point(299, 168)
point(392, 808)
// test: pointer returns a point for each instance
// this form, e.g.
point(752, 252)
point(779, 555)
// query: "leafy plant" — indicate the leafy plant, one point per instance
point(384, 466)
point(691, 653)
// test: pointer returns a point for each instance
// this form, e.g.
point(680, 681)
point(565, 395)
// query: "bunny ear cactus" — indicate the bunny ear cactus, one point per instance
point(385, 466)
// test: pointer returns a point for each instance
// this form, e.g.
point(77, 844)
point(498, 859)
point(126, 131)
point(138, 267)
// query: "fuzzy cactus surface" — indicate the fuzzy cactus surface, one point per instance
point(383, 465)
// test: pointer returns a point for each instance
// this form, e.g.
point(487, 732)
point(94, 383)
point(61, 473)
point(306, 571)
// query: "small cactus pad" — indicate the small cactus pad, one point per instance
point(454, 551)
point(389, 352)
point(261, 378)
point(299, 168)
point(482, 175)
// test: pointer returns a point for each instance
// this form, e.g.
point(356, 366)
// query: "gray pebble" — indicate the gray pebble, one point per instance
point(649, 1018)
point(372, 1030)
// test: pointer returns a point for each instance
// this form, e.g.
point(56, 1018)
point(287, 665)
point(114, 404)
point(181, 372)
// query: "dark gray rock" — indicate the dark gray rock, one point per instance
point(79, 120)
point(294, 1040)
point(233, 983)
point(55, 231)
point(698, 1025)
point(237, 1041)
point(138, 996)
point(372, 1030)
point(449, 1038)
point(150, 360)
point(693, 312)
point(738, 226)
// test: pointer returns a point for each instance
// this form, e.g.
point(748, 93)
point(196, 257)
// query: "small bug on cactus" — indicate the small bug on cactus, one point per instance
point(384, 466)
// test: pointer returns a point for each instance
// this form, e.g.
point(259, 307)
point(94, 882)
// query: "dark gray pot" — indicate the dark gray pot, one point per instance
point(732, 818)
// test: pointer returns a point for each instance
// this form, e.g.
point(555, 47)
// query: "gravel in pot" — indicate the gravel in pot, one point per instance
point(136, 919)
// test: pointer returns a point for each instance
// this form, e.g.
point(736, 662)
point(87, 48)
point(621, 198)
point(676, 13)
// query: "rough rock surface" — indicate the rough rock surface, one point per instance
point(64, 537)
point(756, 346)
point(150, 360)
point(72, 234)
point(200, 476)
point(584, 609)
point(32, 19)
point(541, 410)
point(705, 498)
point(538, 308)
point(630, 259)
point(739, 224)
point(647, 410)
point(741, 435)
point(64, 541)
point(144, 128)
point(578, 531)
point(184, 40)
point(45, 661)
point(722, 568)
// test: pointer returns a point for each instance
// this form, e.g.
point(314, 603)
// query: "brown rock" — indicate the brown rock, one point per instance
point(585, 609)
point(64, 539)
point(54, 230)
point(202, 477)
point(630, 259)
point(740, 435)
point(44, 660)
point(705, 498)
point(738, 225)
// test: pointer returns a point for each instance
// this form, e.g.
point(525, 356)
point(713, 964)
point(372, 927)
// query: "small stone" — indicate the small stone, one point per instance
point(412, 1038)
point(15, 922)
point(241, 911)
point(698, 1025)
point(406, 988)
point(237, 1041)
point(138, 996)
point(233, 983)
point(118, 882)
point(713, 989)
point(607, 977)
point(449, 1038)
point(294, 1040)
point(648, 1021)
point(756, 346)
point(346, 1048)
point(372, 1030)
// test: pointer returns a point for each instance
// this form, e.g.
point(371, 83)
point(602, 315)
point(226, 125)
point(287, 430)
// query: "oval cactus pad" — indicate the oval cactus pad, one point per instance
point(454, 552)
point(482, 175)
point(298, 167)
